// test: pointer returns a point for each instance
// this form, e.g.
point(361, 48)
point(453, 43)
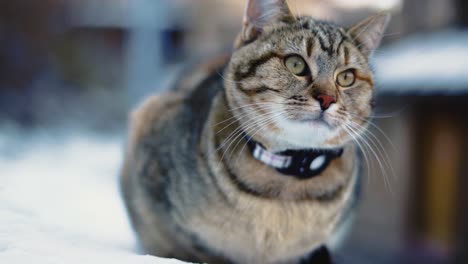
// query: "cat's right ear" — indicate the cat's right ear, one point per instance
point(368, 33)
point(260, 13)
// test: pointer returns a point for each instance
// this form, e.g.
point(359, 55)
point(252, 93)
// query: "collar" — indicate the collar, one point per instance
point(302, 163)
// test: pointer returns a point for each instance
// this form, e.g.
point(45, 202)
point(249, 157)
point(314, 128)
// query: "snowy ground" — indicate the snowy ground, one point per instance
point(59, 201)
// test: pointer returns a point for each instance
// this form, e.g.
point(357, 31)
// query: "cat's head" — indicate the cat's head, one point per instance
point(295, 82)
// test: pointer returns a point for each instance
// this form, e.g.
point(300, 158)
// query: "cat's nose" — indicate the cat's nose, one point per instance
point(325, 100)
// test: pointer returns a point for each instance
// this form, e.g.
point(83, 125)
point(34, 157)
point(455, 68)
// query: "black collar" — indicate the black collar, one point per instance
point(302, 163)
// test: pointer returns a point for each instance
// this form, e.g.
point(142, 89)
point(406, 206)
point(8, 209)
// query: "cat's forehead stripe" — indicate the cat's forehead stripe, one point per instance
point(245, 72)
point(346, 55)
point(328, 37)
point(310, 46)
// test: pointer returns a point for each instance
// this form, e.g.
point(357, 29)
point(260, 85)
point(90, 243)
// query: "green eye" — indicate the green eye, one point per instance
point(296, 65)
point(346, 78)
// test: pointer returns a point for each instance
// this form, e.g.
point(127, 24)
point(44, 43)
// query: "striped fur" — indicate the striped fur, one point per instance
point(193, 190)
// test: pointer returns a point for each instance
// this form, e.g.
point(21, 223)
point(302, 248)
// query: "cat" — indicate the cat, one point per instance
point(251, 158)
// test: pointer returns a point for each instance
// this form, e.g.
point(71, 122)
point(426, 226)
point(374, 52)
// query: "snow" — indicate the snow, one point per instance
point(425, 63)
point(59, 201)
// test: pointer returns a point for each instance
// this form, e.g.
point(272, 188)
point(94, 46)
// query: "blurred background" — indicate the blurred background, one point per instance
point(78, 67)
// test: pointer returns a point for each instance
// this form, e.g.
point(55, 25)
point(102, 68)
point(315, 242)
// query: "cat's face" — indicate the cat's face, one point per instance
point(302, 83)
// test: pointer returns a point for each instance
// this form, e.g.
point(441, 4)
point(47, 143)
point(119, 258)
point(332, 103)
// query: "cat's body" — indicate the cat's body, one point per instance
point(219, 215)
point(195, 192)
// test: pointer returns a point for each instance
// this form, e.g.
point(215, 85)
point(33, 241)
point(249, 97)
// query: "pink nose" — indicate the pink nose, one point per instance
point(325, 101)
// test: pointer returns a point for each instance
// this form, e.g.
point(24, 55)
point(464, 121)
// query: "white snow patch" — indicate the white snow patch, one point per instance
point(60, 202)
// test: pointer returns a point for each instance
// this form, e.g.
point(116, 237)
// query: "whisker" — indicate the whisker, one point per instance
point(259, 118)
point(382, 167)
point(368, 167)
point(255, 104)
point(239, 129)
point(236, 119)
point(240, 134)
point(381, 149)
point(369, 122)
point(262, 126)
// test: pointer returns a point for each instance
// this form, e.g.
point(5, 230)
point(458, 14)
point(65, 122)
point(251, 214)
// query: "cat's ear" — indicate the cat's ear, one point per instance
point(260, 13)
point(368, 33)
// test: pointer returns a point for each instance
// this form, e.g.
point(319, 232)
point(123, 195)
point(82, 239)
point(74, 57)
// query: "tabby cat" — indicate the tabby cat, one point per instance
point(251, 158)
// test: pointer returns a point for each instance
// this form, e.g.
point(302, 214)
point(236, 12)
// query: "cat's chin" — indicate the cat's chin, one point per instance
point(314, 133)
point(317, 123)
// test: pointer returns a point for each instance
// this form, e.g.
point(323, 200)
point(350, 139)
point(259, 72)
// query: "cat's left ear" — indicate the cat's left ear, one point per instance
point(368, 33)
point(261, 13)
